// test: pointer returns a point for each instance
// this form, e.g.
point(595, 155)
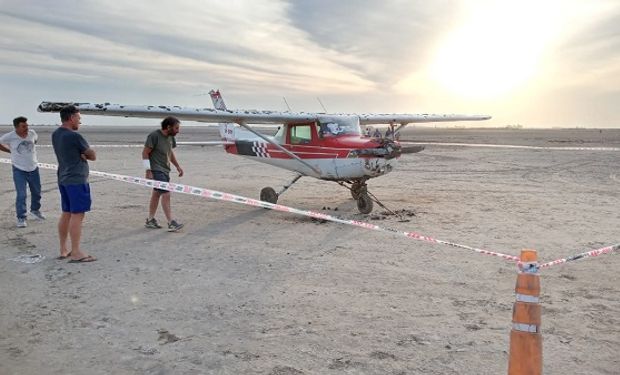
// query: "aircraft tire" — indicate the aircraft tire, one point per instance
point(267, 194)
point(364, 204)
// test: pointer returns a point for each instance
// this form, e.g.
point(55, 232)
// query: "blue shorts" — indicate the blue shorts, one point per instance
point(75, 198)
point(161, 176)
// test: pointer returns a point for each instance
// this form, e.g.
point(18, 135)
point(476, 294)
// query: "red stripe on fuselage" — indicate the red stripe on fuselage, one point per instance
point(327, 148)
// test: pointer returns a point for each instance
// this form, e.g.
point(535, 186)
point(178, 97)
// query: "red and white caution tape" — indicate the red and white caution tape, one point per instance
point(105, 146)
point(202, 192)
point(485, 145)
point(587, 254)
point(186, 189)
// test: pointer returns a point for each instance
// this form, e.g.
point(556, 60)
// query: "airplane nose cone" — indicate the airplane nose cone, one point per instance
point(392, 149)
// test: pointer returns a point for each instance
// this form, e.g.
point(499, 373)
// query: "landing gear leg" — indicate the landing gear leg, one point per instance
point(359, 192)
point(358, 188)
point(364, 198)
point(268, 194)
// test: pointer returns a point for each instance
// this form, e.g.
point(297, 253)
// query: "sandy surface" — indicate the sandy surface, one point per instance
point(249, 291)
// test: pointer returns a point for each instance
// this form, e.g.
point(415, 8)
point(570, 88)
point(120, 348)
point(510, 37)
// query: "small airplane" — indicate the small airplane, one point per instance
point(325, 146)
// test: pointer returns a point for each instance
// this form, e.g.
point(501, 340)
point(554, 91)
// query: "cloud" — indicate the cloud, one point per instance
point(386, 38)
point(184, 46)
point(585, 58)
point(359, 55)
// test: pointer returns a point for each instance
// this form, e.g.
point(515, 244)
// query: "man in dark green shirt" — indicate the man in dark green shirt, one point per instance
point(157, 155)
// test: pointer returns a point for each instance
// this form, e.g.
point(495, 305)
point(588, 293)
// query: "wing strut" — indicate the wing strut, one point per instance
point(315, 170)
point(400, 127)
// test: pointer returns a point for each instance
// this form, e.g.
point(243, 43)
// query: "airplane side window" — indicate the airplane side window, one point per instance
point(300, 134)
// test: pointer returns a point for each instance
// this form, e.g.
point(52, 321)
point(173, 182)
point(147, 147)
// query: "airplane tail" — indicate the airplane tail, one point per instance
point(218, 102)
point(229, 132)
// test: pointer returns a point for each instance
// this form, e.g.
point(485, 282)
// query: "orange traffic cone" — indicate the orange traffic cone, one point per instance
point(525, 337)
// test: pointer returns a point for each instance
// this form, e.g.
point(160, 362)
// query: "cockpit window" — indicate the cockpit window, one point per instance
point(337, 128)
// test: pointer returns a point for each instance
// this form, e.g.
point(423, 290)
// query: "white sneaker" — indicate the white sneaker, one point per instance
point(37, 215)
point(21, 223)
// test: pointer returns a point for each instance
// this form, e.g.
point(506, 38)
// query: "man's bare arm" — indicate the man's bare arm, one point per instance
point(146, 152)
point(5, 149)
point(173, 160)
point(89, 154)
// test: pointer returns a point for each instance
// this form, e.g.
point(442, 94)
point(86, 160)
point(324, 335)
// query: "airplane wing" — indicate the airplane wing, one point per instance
point(183, 113)
point(193, 114)
point(367, 119)
point(245, 116)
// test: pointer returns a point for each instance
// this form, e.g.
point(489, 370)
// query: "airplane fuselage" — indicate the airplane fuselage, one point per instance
point(333, 163)
point(328, 149)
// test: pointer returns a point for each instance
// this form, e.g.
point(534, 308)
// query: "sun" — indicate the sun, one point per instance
point(498, 49)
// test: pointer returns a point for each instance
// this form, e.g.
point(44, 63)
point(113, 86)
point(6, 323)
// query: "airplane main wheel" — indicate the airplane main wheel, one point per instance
point(364, 204)
point(269, 195)
point(358, 190)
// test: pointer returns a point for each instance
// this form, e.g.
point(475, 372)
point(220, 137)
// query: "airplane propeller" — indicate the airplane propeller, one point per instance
point(388, 150)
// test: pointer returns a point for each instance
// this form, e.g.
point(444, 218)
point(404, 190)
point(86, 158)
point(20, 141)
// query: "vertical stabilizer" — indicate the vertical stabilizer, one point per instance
point(229, 132)
point(218, 102)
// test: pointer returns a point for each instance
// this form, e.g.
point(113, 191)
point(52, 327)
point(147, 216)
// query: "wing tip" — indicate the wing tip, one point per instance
point(52, 106)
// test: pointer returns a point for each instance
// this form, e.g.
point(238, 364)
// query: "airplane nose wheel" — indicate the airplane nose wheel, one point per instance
point(268, 194)
point(364, 203)
point(365, 199)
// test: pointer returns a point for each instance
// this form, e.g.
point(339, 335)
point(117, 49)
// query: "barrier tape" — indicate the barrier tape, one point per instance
point(103, 146)
point(486, 145)
point(587, 254)
point(192, 190)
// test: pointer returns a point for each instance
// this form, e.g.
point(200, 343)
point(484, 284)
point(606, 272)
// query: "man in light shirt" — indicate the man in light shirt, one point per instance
point(20, 143)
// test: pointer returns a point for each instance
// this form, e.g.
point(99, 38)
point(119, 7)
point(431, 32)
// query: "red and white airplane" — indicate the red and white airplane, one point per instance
point(329, 147)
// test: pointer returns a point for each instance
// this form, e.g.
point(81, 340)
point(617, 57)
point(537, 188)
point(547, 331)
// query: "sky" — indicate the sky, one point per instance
point(535, 63)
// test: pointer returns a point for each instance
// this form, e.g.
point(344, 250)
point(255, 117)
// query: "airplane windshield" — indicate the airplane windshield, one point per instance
point(334, 128)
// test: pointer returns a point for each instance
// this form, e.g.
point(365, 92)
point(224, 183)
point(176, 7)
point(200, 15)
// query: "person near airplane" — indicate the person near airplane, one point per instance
point(72, 153)
point(21, 144)
point(157, 155)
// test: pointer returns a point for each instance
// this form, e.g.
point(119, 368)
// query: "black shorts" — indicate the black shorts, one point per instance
point(161, 176)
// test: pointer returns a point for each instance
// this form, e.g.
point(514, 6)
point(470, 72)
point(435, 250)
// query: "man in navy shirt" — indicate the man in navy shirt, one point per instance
point(72, 152)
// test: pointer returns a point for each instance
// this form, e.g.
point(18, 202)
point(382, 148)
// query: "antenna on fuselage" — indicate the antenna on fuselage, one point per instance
point(321, 103)
point(285, 102)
